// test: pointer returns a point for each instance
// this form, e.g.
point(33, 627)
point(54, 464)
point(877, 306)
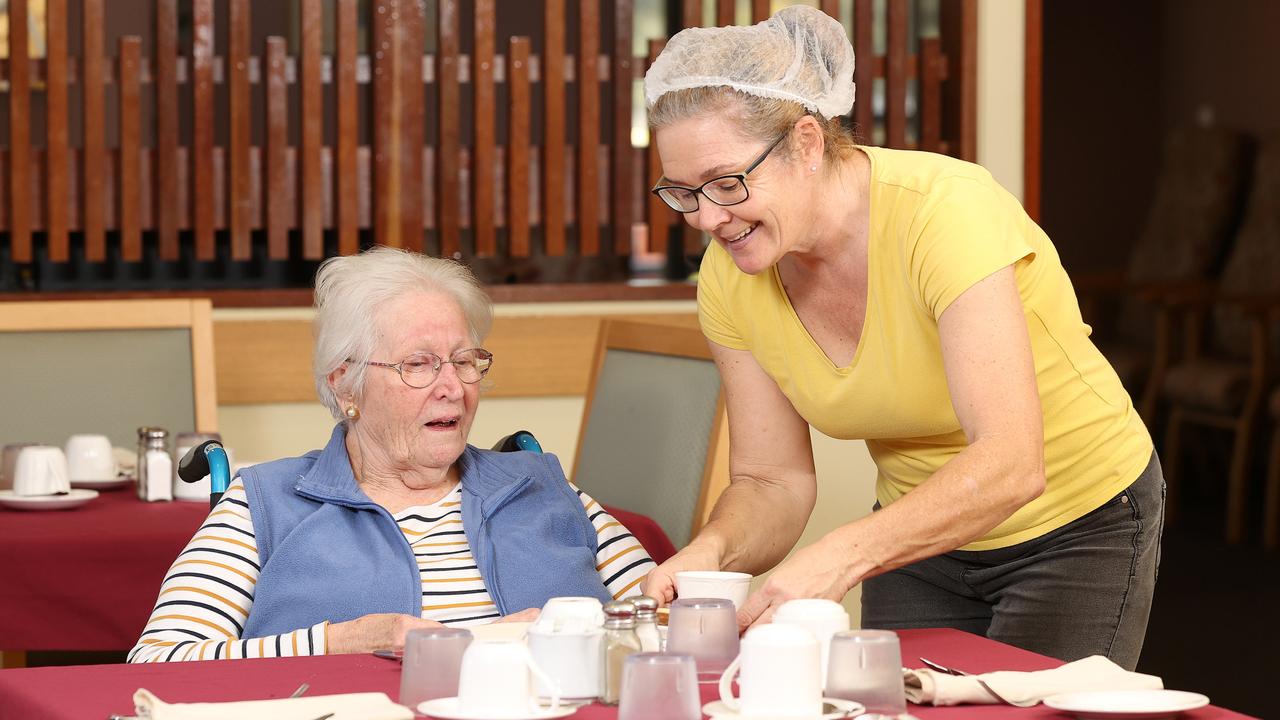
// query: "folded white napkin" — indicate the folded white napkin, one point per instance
point(350, 706)
point(928, 687)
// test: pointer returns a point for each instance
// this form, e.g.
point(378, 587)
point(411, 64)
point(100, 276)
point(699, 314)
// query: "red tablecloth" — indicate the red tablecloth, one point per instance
point(97, 691)
point(86, 579)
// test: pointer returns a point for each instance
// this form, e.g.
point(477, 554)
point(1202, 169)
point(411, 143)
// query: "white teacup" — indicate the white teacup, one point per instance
point(495, 680)
point(89, 458)
point(780, 676)
point(9, 463)
point(570, 614)
point(41, 470)
point(573, 660)
point(823, 618)
point(733, 586)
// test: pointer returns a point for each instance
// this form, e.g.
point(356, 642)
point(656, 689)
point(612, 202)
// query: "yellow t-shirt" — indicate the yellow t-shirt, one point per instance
point(938, 226)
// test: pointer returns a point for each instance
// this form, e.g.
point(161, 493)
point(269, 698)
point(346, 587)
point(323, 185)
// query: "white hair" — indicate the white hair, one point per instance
point(350, 294)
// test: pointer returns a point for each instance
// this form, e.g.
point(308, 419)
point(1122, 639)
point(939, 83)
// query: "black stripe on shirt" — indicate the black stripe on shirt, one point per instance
point(613, 540)
point(227, 526)
point(178, 647)
point(625, 570)
point(218, 580)
point(206, 606)
point(434, 593)
point(447, 569)
point(228, 553)
point(427, 519)
point(442, 554)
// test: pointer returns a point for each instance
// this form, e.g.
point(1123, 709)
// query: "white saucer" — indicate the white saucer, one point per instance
point(73, 499)
point(114, 483)
point(1126, 704)
point(846, 708)
point(448, 709)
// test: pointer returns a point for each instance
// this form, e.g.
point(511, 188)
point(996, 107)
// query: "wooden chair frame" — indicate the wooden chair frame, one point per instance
point(194, 315)
point(673, 341)
point(1259, 309)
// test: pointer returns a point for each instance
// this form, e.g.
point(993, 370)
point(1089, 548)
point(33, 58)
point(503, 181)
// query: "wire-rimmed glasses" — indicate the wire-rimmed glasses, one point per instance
point(725, 190)
point(420, 369)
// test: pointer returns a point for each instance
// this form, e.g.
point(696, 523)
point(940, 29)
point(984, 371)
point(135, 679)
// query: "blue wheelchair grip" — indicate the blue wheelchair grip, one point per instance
point(526, 441)
point(219, 469)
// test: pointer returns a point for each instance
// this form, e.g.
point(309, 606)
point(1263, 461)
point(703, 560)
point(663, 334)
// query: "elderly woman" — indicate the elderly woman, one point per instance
point(905, 299)
point(397, 523)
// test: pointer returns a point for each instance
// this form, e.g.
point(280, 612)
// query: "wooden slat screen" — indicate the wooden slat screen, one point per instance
point(355, 148)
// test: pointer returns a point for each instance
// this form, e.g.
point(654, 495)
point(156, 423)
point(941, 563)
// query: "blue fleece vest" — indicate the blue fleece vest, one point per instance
point(328, 552)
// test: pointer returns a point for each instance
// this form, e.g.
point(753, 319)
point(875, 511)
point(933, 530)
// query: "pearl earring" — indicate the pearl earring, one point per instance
point(813, 168)
point(353, 412)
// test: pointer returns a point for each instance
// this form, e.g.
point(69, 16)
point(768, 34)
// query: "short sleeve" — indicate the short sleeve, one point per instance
point(713, 315)
point(968, 229)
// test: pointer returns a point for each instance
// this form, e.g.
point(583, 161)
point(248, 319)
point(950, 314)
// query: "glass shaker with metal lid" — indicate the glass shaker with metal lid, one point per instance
point(155, 465)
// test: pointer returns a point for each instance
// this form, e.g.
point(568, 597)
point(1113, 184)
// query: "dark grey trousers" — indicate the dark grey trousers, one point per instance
point(1083, 589)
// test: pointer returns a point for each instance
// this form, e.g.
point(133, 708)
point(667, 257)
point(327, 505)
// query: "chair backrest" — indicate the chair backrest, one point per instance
point(654, 436)
point(1253, 267)
point(1198, 198)
point(106, 367)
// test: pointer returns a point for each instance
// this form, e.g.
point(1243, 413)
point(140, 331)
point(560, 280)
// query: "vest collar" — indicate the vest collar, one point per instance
point(331, 476)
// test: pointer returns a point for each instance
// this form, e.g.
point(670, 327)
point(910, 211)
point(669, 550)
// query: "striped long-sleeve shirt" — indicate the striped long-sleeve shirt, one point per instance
point(207, 594)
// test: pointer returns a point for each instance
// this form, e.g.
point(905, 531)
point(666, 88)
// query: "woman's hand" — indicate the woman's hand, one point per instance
point(818, 571)
point(380, 631)
point(661, 581)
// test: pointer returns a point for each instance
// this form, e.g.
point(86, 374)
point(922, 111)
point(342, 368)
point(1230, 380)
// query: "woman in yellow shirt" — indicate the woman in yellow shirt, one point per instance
point(906, 299)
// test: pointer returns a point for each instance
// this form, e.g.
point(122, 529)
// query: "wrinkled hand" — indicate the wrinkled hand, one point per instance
point(379, 631)
point(527, 615)
point(813, 572)
point(661, 581)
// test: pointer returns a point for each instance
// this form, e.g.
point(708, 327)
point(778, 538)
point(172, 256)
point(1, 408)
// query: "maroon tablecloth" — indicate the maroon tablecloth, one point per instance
point(86, 579)
point(97, 691)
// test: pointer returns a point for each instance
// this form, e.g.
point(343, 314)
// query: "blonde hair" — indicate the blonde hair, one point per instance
point(758, 118)
point(352, 291)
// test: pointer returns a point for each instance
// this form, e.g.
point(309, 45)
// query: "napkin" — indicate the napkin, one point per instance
point(928, 687)
point(351, 706)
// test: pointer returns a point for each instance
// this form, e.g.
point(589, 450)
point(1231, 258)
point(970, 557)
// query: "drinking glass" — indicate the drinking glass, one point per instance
point(866, 666)
point(659, 686)
point(707, 629)
point(432, 659)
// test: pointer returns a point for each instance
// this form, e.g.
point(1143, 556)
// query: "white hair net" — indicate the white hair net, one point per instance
point(800, 54)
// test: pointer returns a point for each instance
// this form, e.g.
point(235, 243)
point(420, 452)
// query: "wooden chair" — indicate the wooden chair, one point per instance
point(654, 436)
point(1224, 383)
point(1188, 227)
point(106, 367)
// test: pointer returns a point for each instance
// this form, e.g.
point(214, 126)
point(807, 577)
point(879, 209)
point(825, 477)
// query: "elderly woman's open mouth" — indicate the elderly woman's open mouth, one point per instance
point(444, 423)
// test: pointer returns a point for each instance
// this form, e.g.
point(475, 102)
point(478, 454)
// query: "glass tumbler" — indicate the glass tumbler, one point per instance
point(432, 660)
point(707, 629)
point(659, 686)
point(866, 666)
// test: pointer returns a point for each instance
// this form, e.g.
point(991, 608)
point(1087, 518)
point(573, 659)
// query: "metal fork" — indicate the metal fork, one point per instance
point(953, 671)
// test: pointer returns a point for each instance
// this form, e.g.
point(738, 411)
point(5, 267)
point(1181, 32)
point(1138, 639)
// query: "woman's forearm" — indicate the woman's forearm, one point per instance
point(756, 522)
point(974, 492)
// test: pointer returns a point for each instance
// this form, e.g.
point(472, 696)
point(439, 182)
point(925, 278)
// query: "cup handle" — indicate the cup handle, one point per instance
point(546, 680)
point(726, 684)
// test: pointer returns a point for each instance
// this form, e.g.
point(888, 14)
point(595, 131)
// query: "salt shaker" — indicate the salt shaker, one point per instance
point(620, 640)
point(155, 465)
point(647, 623)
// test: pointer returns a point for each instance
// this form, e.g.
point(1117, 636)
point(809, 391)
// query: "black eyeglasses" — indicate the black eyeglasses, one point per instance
point(724, 190)
point(419, 370)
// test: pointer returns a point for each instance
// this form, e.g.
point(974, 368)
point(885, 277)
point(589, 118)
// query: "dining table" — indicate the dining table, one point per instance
point(87, 578)
point(98, 691)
